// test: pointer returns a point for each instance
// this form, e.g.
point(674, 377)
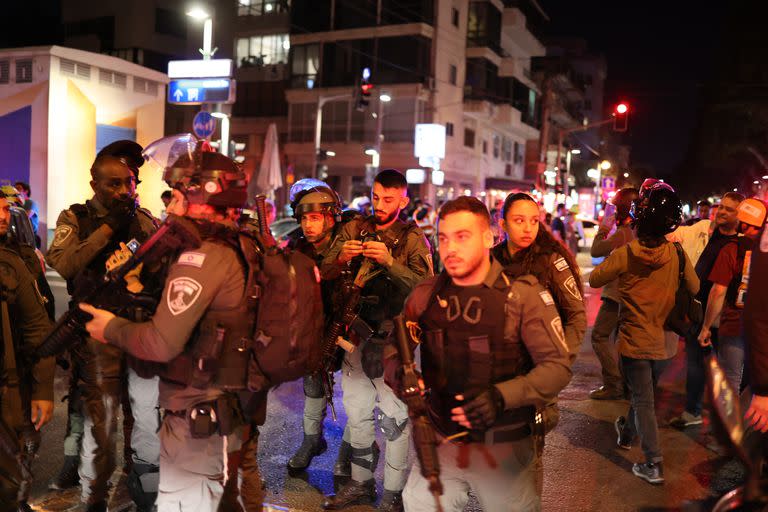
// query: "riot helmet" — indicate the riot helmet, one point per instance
point(202, 176)
point(312, 195)
point(623, 202)
point(659, 213)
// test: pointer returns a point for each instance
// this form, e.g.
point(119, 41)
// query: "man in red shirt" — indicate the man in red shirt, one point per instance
point(729, 278)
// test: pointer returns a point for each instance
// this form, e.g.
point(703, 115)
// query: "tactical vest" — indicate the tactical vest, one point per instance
point(88, 222)
point(743, 251)
point(466, 349)
point(381, 299)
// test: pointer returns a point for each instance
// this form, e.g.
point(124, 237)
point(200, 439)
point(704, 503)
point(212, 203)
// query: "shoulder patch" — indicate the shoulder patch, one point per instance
point(182, 293)
point(61, 234)
point(572, 287)
point(546, 298)
point(561, 264)
point(193, 259)
point(557, 328)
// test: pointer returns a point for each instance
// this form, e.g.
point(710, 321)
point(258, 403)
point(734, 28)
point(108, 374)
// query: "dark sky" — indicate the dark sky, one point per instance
point(658, 55)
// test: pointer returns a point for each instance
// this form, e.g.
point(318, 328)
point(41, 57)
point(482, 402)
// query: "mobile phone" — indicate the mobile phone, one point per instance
point(610, 209)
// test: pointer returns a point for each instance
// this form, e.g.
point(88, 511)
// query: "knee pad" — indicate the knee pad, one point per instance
point(389, 426)
point(313, 387)
point(143, 482)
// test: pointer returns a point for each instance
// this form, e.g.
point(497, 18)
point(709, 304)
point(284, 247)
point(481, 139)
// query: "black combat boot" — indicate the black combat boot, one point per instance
point(100, 506)
point(391, 501)
point(343, 466)
point(67, 477)
point(312, 446)
point(352, 493)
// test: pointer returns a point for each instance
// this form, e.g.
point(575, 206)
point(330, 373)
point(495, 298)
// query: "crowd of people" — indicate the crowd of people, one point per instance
point(497, 323)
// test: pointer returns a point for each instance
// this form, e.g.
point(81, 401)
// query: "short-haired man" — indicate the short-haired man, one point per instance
point(397, 257)
point(30, 206)
point(702, 212)
point(492, 351)
point(558, 224)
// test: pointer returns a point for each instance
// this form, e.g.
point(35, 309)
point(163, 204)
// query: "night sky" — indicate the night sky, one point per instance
point(659, 54)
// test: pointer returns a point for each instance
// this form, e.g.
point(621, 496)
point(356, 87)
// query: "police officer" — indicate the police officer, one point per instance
point(26, 397)
point(317, 208)
point(400, 258)
point(86, 236)
point(493, 350)
point(204, 304)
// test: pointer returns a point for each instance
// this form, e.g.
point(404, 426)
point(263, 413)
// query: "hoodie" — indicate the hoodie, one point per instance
point(648, 280)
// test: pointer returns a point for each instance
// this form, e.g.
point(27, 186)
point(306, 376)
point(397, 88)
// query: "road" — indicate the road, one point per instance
point(584, 470)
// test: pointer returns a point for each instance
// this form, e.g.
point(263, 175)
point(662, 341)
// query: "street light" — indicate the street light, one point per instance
point(626, 175)
point(575, 151)
point(199, 14)
point(605, 165)
point(386, 98)
point(765, 177)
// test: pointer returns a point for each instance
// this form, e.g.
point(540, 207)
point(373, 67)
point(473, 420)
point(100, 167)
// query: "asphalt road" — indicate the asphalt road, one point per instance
point(584, 470)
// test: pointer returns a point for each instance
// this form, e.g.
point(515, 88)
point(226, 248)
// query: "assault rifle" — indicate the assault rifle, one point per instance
point(423, 434)
point(260, 207)
point(175, 234)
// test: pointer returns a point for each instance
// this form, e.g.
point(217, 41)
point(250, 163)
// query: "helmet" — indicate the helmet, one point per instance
point(204, 177)
point(311, 195)
point(659, 213)
point(623, 200)
point(646, 188)
point(129, 152)
point(752, 211)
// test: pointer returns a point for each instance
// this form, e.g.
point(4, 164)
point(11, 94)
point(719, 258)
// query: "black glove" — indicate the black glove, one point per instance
point(483, 410)
point(373, 364)
point(121, 213)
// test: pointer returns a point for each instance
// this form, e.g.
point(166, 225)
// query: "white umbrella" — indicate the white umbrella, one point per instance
point(270, 175)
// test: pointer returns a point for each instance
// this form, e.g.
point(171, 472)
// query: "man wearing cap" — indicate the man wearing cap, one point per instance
point(729, 278)
point(86, 236)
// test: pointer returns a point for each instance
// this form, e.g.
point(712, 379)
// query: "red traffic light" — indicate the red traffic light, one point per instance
point(366, 88)
point(622, 108)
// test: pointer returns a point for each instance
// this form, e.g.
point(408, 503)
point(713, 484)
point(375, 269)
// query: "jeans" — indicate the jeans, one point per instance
point(730, 352)
point(605, 324)
point(695, 378)
point(641, 376)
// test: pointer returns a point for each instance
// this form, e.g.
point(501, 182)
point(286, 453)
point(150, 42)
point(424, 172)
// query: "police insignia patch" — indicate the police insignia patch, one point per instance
point(557, 328)
point(194, 259)
point(182, 293)
point(61, 234)
point(573, 289)
point(561, 264)
point(546, 297)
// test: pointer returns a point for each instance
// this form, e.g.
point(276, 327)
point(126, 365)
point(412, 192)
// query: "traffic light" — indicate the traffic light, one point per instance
point(364, 90)
point(621, 117)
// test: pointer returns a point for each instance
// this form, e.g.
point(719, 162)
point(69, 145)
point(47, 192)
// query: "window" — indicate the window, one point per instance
point(496, 146)
point(484, 26)
point(24, 71)
point(506, 149)
point(144, 86)
point(455, 17)
point(5, 71)
point(111, 78)
point(260, 7)
point(305, 63)
point(485, 147)
point(469, 138)
point(518, 153)
point(263, 50)
point(449, 129)
point(508, 170)
point(170, 23)
point(453, 72)
point(77, 69)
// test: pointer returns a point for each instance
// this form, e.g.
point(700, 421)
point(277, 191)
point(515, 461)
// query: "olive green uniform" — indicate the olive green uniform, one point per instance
point(28, 324)
point(412, 263)
point(499, 328)
point(208, 280)
point(102, 367)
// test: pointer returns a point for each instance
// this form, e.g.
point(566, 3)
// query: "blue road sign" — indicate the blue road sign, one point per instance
point(193, 91)
point(204, 124)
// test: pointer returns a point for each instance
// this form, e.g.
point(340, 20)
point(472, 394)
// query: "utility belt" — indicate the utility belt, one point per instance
point(221, 416)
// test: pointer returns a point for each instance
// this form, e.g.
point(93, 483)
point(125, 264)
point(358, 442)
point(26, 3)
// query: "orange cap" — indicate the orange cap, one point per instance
point(752, 211)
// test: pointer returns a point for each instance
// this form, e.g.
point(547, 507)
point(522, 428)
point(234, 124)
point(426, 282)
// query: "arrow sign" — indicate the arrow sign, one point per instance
point(178, 94)
point(204, 124)
point(195, 91)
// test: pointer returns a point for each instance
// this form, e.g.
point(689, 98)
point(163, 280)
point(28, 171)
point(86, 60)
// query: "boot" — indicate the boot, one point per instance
point(343, 466)
point(24, 507)
point(67, 477)
point(312, 446)
point(391, 501)
point(100, 506)
point(352, 493)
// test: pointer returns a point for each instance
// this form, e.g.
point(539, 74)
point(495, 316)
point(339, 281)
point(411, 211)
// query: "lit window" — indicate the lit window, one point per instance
point(263, 50)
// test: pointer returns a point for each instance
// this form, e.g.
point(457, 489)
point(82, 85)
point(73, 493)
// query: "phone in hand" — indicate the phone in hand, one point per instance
point(610, 210)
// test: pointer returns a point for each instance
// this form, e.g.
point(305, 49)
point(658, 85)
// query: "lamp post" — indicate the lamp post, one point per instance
point(199, 13)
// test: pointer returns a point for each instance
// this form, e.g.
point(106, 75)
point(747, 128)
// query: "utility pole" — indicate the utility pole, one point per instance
point(321, 101)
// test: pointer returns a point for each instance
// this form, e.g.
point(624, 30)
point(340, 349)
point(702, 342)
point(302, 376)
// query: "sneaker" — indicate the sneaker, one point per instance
point(605, 393)
point(651, 472)
point(623, 440)
point(685, 420)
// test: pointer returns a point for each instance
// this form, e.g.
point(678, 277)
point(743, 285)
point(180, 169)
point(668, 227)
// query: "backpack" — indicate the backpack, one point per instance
point(687, 314)
point(289, 316)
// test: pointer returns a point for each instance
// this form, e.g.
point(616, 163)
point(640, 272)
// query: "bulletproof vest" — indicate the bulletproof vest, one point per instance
point(707, 261)
point(464, 347)
point(744, 245)
point(330, 289)
point(88, 222)
point(9, 283)
point(205, 361)
point(381, 299)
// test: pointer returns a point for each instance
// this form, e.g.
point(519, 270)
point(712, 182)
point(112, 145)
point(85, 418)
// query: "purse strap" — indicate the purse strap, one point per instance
point(680, 261)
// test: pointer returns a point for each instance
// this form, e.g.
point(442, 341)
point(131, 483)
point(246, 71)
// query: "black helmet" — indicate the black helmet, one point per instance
point(623, 201)
point(659, 213)
point(311, 195)
point(203, 176)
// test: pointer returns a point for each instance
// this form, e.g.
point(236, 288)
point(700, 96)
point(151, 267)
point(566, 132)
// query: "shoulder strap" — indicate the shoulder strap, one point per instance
point(442, 280)
point(680, 260)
